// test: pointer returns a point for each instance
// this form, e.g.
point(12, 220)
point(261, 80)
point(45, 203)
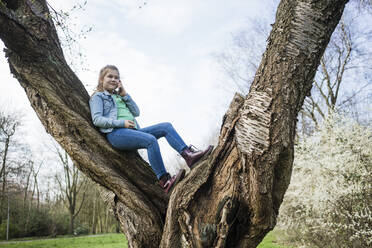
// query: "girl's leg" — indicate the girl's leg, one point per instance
point(166, 130)
point(131, 139)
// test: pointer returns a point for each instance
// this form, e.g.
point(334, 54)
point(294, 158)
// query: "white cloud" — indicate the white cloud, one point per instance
point(164, 16)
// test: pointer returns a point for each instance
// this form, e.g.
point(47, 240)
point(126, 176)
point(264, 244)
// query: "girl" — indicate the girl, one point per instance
point(114, 113)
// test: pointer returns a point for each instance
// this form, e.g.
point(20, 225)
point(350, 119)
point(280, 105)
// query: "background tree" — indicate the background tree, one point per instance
point(36, 202)
point(342, 81)
point(240, 186)
point(343, 78)
point(241, 58)
point(19, 181)
point(30, 198)
point(330, 194)
point(72, 185)
point(9, 125)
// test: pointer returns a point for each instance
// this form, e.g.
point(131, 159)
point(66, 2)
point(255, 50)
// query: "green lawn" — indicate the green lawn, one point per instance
point(104, 241)
point(270, 241)
point(99, 241)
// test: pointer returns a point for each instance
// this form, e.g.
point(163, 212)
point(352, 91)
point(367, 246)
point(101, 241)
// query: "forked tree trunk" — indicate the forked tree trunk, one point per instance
point(229, 200)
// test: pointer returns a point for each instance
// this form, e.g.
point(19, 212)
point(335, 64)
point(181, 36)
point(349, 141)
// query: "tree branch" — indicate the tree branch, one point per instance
point(328, 83)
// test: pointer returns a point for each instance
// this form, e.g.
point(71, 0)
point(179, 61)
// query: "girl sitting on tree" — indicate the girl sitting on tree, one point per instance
point(114, 113)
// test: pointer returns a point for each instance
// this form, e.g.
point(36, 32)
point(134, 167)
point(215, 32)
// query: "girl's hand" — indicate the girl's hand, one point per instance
point(122, 91)
point(129, 124)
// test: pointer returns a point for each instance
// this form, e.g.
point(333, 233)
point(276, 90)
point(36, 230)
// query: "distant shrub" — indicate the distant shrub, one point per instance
point(81, 230)
point(329, 200)
point(115, 228)
point(59, 222)
point(38, 224)
point(13, 231)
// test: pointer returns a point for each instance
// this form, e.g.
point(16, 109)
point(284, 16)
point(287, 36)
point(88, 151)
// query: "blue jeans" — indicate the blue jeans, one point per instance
point(132, 139)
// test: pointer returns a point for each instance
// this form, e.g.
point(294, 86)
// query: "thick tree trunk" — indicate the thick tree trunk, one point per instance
point(229, 200)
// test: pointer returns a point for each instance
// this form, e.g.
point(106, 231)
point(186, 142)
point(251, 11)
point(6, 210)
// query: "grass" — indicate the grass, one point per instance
point(107, 241)
point(271, 241)
point(99, 241)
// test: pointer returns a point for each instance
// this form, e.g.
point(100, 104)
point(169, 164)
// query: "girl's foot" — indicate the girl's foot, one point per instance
point(192, 155)
point(167, 182)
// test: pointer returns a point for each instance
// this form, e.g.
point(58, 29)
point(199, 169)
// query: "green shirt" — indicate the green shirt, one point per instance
point(123, 111)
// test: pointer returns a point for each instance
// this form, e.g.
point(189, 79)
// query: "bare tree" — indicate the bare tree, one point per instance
point(32, 174)
point(94, 212)
point(27, 185)
point(73, 187)
point(346, 53)
point(230, 199)
point(241, 58)
point(364, 4)
point(340, 84)
point(8, 126)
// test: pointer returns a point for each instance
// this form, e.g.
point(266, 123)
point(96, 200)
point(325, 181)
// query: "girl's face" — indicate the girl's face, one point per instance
point(111, 80)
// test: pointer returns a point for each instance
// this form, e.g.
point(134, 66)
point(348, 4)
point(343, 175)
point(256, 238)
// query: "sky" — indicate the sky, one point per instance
point(165, 53)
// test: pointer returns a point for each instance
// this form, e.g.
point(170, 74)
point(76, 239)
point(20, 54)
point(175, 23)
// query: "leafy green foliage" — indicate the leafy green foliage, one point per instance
point(13, 231)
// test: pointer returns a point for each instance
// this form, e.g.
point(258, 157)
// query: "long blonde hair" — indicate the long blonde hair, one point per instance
point(102, 74)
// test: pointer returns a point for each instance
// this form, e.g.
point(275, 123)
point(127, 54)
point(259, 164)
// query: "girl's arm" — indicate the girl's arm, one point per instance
point(96, 110)
point(132, 106)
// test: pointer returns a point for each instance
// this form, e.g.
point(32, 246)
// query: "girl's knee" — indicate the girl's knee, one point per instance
point(167, 125)
point(152, 140)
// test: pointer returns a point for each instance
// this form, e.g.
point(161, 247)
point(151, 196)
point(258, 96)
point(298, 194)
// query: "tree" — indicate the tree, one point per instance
point(9, 124)
point(230, 199)
point(342, 66)
point(29, 197)
point(71, 186)
point(241, 58)
point(341, 82)
point(330, 194)
point(18, 179)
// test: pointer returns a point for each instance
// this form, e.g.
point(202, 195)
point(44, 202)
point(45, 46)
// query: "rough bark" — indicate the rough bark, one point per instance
point(230, 199)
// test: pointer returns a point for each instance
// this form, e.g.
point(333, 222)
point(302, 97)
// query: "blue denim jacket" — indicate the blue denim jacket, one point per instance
point(104, 111)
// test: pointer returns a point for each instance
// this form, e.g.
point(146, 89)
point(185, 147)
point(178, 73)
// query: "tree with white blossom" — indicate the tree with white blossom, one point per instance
point(330, 193)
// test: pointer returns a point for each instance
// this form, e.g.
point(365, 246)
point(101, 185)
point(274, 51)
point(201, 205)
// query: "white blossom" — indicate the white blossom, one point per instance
point(329, 198)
